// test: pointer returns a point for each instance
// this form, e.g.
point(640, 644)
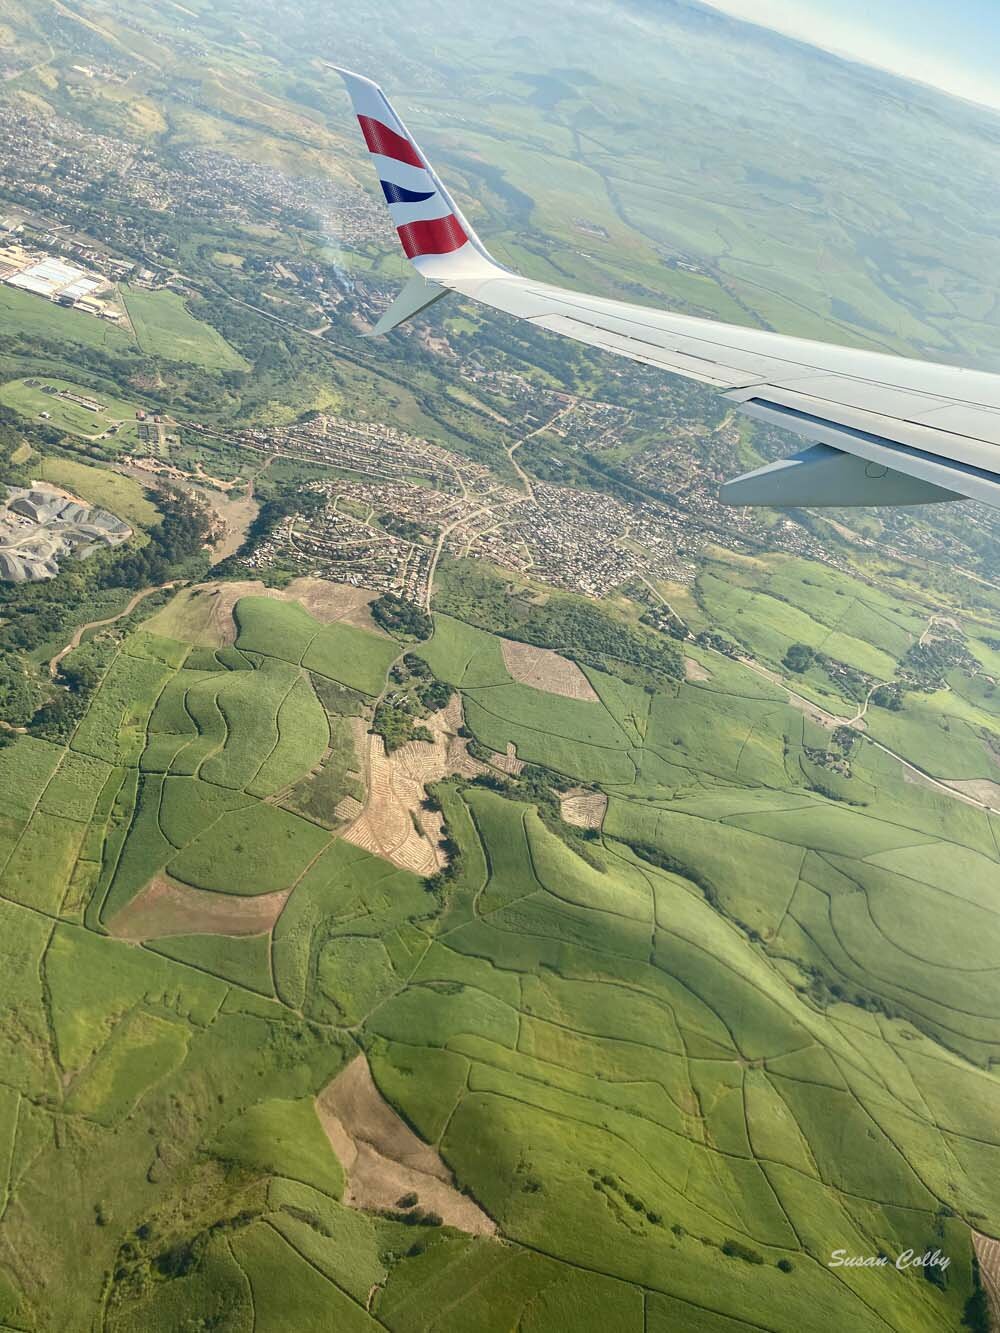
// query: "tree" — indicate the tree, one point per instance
point(799, 657)
point(435, 695)
point(400, 617)
point(19, 697)
point(57, 716)
point(79, 675)
point(888, 696)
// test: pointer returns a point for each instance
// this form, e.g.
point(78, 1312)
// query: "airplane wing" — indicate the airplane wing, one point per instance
point(884, 430)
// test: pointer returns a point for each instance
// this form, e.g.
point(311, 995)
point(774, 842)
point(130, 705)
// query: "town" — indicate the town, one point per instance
point(403, 502)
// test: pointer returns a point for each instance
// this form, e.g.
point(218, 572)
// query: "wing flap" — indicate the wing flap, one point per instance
point(966, 449)
point(821, 475)
point(890, 423)
point(941, 471)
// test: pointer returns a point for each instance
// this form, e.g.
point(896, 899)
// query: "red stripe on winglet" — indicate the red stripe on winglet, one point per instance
point(380, 139)
point(435, 236)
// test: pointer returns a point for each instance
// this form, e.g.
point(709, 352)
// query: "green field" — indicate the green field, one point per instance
point(677, 1072)
point(36, 317)
point(677, 1059)
point(287, 632)
point(100, 486)
point(67, 416)
point(165, 328)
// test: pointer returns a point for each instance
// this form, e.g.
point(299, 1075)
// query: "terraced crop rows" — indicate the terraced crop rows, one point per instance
point(754, 1026)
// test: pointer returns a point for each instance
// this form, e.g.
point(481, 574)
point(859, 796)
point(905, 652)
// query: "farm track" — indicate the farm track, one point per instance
point(807, 706)
point(99, 624)
point(541, 1085)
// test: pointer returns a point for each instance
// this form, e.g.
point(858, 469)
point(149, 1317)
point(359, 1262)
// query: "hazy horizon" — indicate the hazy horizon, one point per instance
point(949, 49)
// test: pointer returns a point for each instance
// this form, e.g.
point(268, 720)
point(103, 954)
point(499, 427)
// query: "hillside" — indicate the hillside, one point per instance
point(676, 1062)
point(455, 875)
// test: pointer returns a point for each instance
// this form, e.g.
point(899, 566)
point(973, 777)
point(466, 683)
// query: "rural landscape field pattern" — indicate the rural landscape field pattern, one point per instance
point(667, 965)
point(674, 1090)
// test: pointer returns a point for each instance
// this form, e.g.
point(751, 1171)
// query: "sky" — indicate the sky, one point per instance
point(952, 44)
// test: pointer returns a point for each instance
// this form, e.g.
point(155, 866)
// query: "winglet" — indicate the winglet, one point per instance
point(417, 295)
point(435, 236)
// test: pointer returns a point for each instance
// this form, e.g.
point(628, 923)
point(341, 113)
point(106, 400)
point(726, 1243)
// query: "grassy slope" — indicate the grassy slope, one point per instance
point(36, 316)
point(65, 415)
point(121, 495)
point(165, 328)
point(629, 1066)
point(579, 1041)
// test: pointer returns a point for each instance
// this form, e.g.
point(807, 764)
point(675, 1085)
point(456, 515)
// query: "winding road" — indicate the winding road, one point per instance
point(81, 630)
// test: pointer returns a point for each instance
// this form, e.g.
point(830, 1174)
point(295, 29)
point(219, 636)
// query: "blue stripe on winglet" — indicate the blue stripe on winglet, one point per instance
point(397, 194)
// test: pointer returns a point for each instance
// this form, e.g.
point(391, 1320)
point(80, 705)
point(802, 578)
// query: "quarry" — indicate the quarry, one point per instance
point(41, 525)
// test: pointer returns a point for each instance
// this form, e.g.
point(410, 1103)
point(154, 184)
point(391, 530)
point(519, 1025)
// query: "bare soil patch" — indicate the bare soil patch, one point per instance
point(544, 669)
point(234, 507)
point(203, 615)
point(507, 762)
point(165, 907)
point(583, 809)
point(980, 789)
point(335, 601)
point(988, 1253)
point(383, 1158)
point(348, 808)
point(695, 671)
point(236, 510)
point(392, 823)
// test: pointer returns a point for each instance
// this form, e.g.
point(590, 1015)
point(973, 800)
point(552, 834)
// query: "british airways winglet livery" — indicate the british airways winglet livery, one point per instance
point(884, 430)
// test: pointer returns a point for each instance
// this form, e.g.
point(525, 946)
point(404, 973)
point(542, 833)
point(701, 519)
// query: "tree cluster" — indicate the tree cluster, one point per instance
point(580, 630)
point(400, 617)
point(35, 614)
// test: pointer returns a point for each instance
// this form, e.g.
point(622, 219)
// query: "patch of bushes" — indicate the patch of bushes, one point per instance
point(578, 629)
point(799, 657)
point(735, 1249)
point(401, 618)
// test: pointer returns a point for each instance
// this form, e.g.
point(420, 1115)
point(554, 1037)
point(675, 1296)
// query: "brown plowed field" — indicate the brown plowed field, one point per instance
point(988, 1253)
point(383, 1158)
point(165, 907)
point(543, 669)
point(583, 809)
point(397, 785)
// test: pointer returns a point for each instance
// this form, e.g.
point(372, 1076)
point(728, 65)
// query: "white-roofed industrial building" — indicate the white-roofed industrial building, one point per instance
point(47, 277)
point(59, 281)
point(76, 290)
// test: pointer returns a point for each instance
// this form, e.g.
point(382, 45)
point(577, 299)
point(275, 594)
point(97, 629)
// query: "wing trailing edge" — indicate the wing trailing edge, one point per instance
point(821, 475)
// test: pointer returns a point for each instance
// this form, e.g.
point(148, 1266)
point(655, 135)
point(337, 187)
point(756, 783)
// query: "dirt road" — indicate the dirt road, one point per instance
point(97, 624)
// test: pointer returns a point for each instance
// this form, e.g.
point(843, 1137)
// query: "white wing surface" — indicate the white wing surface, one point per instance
point(883, 429)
